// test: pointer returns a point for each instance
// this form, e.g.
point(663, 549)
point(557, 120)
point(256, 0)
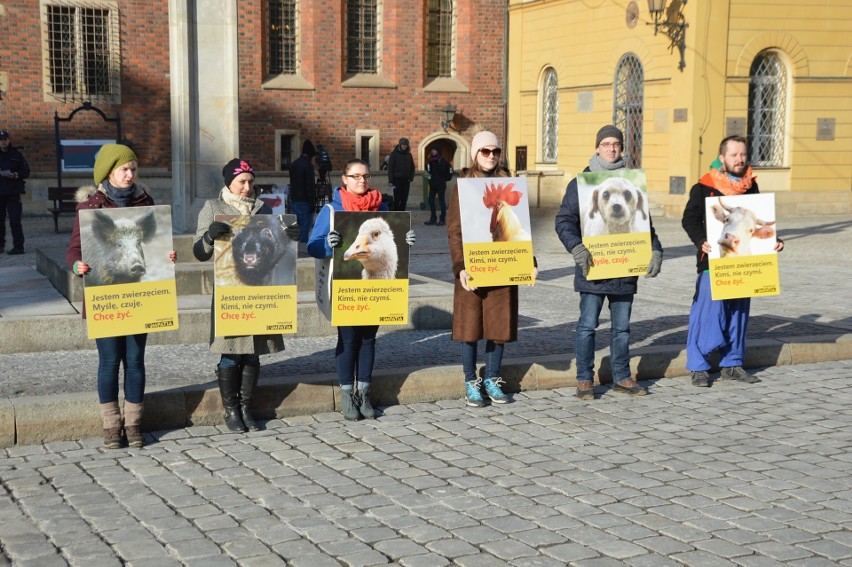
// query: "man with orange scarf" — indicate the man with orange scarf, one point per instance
point(720, 324)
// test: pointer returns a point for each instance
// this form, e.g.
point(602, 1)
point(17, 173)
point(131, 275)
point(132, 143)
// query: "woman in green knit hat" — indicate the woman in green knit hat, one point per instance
point(115, 185)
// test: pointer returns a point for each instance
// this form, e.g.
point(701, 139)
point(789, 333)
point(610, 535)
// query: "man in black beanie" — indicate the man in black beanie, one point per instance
point(303, 193)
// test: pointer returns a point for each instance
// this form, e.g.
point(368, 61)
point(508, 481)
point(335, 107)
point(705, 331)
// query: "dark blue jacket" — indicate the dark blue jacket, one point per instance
point(14, 161)
point(568, 230)
point(317, 246)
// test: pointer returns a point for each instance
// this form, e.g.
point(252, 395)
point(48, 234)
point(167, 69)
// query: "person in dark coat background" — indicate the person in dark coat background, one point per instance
point(14, 169)
point(440, 172)
point(401, 173)
point(303, 193)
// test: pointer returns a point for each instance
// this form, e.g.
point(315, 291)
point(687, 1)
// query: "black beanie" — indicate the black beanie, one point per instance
point(609, 132)
point(234, 168)
point(308, 149)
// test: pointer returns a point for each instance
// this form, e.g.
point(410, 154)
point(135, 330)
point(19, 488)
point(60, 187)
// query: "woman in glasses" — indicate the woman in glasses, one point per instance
point(356, 345)
point(480, 312)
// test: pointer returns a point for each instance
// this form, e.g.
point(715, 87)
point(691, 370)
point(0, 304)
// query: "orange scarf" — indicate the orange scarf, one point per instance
point(369, 201)
point(726, 184)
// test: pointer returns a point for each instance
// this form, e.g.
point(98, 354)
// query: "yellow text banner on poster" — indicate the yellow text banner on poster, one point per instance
point(619, 255)
point(255, 310)
point(369, 302)
point(746, 276)
point(131, 309)
point(499, 263)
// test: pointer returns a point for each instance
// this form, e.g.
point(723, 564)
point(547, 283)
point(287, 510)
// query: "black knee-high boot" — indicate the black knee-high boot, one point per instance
point(229, 388)
point(250, 377)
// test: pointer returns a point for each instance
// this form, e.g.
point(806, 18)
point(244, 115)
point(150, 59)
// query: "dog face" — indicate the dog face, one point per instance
point(617, 201)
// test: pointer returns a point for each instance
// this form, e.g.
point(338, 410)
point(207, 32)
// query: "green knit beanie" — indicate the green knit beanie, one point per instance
point(109, 157)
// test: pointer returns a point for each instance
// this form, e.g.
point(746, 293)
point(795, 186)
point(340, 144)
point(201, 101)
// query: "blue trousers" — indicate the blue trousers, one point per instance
point(231, 360)
point(112, 353)
point(304, 211)
point(11, 205)
point(493, 359)
point(715, 325)
point(355, 354)
point(620, 307)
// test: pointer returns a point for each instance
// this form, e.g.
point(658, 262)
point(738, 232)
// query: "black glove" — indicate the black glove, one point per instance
point(583, 258)
point(293, 231)
point(217, 229)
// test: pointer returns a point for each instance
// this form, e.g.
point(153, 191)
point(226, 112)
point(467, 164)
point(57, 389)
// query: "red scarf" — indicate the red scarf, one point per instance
point(369, 201)
point(726, 184)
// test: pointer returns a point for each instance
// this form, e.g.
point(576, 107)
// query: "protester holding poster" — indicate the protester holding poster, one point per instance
point(115, 185)
point(239, 364)
point(618, 292)
point(720, 324)
point(356, 345)
point(480, 312)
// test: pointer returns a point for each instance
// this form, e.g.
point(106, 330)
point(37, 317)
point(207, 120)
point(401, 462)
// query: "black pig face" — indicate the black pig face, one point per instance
point(256, 249)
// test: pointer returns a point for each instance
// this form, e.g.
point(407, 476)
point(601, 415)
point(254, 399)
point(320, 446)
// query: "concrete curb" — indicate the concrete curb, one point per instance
point(43, 419)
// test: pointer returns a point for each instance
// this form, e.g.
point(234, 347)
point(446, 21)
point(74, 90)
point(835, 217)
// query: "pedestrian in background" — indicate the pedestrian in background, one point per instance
point(355, 352)
point(617, 292)
point(238, 370)
point(721, 324)
point(115, 176)
point(14, 169)
point(440, 172)
point(489, 313)
point(401, 173)
point(303, 191)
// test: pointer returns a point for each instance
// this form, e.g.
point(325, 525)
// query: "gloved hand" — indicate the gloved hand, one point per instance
point(655, 264)
point(410, 238)
point(293, 231)
point(583, 258)
point(333, 239)
point(217, 229)
point(80, 268)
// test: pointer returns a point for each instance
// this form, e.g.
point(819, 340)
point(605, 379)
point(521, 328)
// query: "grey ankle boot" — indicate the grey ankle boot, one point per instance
point(365, 407)
point(348, 405)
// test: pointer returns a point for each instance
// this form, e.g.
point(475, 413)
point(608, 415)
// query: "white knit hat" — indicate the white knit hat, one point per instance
point(483, 139)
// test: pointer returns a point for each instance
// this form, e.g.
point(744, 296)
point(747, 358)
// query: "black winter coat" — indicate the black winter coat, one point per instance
point(303, 180)
point(14, 161)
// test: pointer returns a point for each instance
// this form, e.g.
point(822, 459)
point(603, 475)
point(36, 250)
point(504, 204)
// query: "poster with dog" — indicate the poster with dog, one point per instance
point(254, 275)
point(741, 233)
point(365, 282)
point(496, 234)
point(130, 288)
point(615, 222)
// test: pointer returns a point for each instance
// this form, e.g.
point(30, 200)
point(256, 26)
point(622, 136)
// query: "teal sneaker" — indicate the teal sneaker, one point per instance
point(493, 390)
point(472, 393)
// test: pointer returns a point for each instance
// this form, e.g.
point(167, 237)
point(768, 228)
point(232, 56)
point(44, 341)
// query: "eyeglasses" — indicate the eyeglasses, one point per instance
point(358, 177)
point(486, 152)
point(613, 145)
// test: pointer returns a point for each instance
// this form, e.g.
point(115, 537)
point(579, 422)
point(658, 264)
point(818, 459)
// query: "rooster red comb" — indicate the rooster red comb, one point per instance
point(497, 192)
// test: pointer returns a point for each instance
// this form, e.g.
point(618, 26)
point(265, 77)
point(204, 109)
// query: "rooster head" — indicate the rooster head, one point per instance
point(497, 193)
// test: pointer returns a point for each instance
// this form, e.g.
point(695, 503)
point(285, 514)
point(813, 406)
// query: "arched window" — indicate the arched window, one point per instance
point(362, 36)
point(550, 117)
point(439, 39)
point(629, 101)
point(767, 104)
point(283, 38)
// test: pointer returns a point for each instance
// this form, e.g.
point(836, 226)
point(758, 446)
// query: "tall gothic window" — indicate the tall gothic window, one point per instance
point(550, 117)
point(82, 53)
point(628, 108)
point(282, 37)
point(767, 104)
point(362, 36)
point(439, 39)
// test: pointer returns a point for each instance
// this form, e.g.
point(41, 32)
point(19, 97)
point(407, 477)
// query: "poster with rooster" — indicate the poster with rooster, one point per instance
point(365, 282)
point(615, 222)
point(495, 221)
point(254, 275)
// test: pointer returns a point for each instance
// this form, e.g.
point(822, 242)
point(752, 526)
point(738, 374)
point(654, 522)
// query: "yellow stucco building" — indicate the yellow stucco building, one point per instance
point(779, 73)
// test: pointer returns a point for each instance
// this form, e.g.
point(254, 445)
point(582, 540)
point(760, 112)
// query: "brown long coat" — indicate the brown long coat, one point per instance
point(487, 312)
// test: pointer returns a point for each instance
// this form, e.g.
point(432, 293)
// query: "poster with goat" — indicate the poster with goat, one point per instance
point(254, 276)
point(496, 235)
point(741, 234)
point(365, 282)
point(615, 222)
point(130, 288)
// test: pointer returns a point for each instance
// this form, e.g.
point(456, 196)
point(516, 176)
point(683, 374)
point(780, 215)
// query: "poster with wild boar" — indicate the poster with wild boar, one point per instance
point(254, 276)
point(131, 286)
point(365, 282)
point(615, 222)
point(741, 234)
point(495, 222)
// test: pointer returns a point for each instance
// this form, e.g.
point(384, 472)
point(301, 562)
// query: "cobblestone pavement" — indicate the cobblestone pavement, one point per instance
point(752, 475)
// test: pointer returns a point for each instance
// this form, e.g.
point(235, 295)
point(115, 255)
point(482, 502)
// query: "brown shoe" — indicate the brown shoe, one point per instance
point(112, 438)
point(585, 390)
point(134, 436)
point(629, 387)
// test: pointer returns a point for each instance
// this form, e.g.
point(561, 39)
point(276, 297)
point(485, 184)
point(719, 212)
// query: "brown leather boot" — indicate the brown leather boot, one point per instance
point(133, 424)
point(111, 418)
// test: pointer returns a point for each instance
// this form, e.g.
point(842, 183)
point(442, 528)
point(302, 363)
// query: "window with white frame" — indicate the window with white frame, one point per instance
point(439, 39)
point(81, 54)
point(550, 117)
point(628, 107)
point(362, 36)
point(767, 105)
point(283, 49)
